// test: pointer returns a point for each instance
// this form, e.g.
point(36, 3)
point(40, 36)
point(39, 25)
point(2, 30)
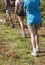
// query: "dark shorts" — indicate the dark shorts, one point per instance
point(21, 13)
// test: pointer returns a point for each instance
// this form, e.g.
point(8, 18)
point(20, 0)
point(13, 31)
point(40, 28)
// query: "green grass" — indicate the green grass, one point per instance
point(15, 50)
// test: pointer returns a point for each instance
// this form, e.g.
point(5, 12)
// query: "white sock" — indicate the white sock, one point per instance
point(34, 50)
point(37, 48)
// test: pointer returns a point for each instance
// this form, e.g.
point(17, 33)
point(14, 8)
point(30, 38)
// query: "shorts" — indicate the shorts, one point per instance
point(33, 27)
point(8, 11)
point(20, 13)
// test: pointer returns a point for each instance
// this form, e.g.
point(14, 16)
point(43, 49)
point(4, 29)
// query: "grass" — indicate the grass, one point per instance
point(15, 50)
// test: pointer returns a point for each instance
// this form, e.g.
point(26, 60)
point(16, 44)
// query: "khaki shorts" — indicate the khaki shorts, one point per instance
point(33, 27)
point(8, 11)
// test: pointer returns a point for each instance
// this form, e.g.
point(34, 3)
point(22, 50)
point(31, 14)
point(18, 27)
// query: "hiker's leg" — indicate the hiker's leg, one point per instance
point(31, 29)
point(10, 17)
point(21, 19)
point(7, 15)
point(36, 37)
